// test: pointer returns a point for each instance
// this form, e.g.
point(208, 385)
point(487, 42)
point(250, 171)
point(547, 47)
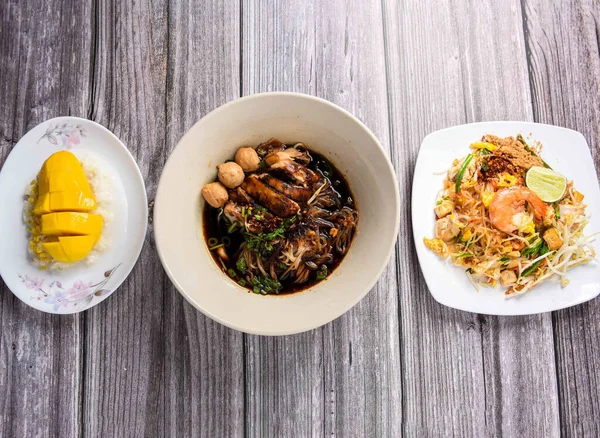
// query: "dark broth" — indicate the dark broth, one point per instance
point(215, 229)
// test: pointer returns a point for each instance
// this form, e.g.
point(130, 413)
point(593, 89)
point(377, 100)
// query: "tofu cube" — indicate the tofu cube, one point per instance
point(507, 277)
point(444, 208)
point(552, 239)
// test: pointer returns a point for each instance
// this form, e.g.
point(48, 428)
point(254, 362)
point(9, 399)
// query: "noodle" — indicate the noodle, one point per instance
point(500, 231)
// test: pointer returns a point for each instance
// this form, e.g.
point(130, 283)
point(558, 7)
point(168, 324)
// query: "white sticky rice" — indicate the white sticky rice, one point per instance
point(103, 185)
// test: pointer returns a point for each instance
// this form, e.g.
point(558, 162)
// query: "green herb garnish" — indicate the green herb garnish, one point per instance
point(532, 250)
point(322, 273)
point(232, 227)
point(231, 273)
point(464, 254)
point(241, 265)
point(242, 282)
point(461, 172)
point(264, 241)
point(533, 267)
point(265, 285)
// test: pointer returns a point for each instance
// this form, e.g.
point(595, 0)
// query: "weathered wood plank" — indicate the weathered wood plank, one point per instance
point(205, 366)
point(124, 393)
point(344, 378)
point(284, 375)
point(464, 374)
point(155, 365)
point(564, 62)
point(363, 387)
point(44, 73)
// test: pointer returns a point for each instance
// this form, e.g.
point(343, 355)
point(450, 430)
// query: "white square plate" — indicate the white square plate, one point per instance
point(567, 152)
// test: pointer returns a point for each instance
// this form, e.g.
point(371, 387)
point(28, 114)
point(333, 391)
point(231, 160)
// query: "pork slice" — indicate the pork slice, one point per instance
point(297, 193)
point(270, 198)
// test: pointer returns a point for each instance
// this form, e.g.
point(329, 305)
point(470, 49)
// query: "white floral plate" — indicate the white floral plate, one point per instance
point(83, 286)
point(563, 149)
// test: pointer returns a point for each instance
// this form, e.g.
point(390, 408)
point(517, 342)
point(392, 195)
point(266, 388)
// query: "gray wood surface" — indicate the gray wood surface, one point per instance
point(565, 76)
point(145, 363)
point(44, 73)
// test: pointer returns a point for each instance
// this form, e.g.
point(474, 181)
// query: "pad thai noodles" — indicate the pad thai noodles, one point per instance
point(491, 221)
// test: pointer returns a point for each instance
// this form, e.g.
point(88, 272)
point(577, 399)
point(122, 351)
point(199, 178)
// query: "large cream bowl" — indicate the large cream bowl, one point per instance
point(289, 117)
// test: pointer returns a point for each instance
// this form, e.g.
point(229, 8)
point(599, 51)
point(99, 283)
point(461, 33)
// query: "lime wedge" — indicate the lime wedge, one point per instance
point(549, 185)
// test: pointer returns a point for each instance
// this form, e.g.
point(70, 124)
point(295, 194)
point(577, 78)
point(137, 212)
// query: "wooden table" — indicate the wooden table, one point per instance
point(145, 362)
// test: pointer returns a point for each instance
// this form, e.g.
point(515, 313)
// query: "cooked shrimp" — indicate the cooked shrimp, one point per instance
point(508, 203)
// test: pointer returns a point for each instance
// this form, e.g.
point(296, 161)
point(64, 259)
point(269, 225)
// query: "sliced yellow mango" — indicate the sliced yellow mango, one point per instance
point(71, 201)
point(63, 202)
point(63, 186)
point(70, 223)
point(70, 249)
point(42, 205)
point(61, 161)
point(56, 251)
point(77, 247)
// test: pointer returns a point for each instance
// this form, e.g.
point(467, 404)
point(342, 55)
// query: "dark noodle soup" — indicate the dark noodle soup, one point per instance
point(287, 226)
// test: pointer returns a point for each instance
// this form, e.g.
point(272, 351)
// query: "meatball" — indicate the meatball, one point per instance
point(248, 159)
point(215, 194)
point(230, 174)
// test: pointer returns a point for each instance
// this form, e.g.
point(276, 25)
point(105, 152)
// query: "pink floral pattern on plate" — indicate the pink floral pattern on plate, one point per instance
point(64, 134)
point(77, 295)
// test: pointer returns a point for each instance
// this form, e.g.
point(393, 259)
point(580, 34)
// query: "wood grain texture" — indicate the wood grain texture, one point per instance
point(285, 393)
point(146, 363)
point(124, 392)
point(564, 50)
point(464, 374)
point(154, 364)
point(349, 370)
point(204, 382)
point(44, 73)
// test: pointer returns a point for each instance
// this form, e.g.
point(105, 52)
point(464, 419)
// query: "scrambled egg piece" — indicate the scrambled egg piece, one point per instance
point(506, 180)
point(484, 145)
point(438, 246)
point(486, 198)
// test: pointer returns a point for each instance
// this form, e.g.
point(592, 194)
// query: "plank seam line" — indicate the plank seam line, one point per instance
point(481, 320)
point(558, 378)
point(246, 420)
point(241, 50)
point(166, 281)
point(534, 111)
point(396, 246)
point(93, 49)
point(84, 320)
point(528, 54)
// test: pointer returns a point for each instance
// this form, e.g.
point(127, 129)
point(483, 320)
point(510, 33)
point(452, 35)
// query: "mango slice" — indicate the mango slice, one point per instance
point(70, 223)
point(56, 251)
point(70, 249)
point(63, 186)
point(64, 201)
